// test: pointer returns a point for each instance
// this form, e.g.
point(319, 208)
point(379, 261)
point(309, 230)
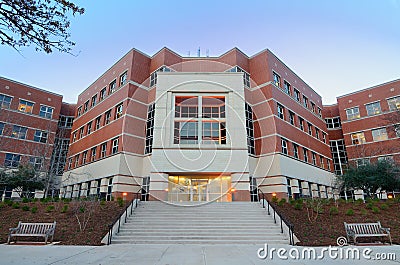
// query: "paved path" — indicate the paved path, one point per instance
point(170, 254)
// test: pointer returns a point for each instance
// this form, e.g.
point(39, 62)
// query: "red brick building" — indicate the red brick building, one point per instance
point(137, 125)
point(29, 119)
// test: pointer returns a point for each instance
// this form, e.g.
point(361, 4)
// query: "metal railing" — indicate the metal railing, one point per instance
point(267, 204)
point(123, 216)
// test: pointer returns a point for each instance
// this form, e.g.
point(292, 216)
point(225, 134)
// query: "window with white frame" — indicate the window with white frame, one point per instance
point(98, 123)
point(107, 117)
point(2, 124)
point(93, 154)
point(199, 119)
point(36, 162)
point(153, 76)
point(65, 121)
point(103, 150)
point(301, 123)
point(89, 127)
point(295, 150)
point(40, 136)
point(317, 133)
point(373, 108)
point(353, 113)
point(81, 132)
point(69, 163)
point(379, 134)
point(19, 132)
point(305, 101)
point(321, 161)
point(250, 129)
point(118, 111)
point(79, 111)
point(313, 107)
point(84, 157)
point(246, 76)
point(114, 147)
point(25, 106)
point(332, 123)
point(291, 118)
point(358, 138)
point(12, 160)
point(277, 79)
point(46, 112)
point(74, 136)
point(112, 86)
point(394, 103)
point(93, 101)
point(314, 158)
point(397, 129)
point(305, 154)
point(5, 101)
point(286, 87)
point(296, 95)
point(362, 162)
point(123, 78)
point(388, 158)
point(319, 112)
point(281, 111)
point(102, 94)
point(86, 106)
point(76, 161)
point(149, 129)
point(284, 146)
point(309, 126)
point(324, 137)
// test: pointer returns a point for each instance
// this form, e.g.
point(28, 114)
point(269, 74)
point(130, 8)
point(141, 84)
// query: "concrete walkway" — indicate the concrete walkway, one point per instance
point(173, 254)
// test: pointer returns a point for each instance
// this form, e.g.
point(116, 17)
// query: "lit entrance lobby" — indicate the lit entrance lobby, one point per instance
point(199, 188)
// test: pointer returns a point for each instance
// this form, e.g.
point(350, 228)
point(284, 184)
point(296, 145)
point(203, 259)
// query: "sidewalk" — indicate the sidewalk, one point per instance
point(168, 254)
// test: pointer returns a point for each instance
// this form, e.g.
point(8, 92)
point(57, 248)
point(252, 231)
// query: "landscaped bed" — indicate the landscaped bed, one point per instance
point(78, 222)
point(320, 223)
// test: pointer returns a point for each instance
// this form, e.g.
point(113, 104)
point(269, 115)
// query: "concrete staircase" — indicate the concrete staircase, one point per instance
point(213, 223)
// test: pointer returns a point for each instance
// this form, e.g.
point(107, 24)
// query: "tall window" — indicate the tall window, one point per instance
point(81, 132)
point(379, 134)
point(199, 118)
point(313, 107)
point(46, 112)
point(301, 123)
point(103, 150)
point(291, 118)
point(97, 123)
point(319, 112)
point(114, 147)
point(74, 136)
point(102, 94)
point(94, 101)
point(40, 136)
point(149, 128)
point(286, 87)
point(12, 160)
point(76, 161)
point(353, 113)
point(305, 154)
point(317, 133)
point(89, 127)
point(321, 161)
point(1, 128)
point(394, 103)
point(93, 154)
point(284, 146)
point(107, 117)
point(324, 137)
point(36, 162)
point(79, 111)
point(5, 101)
point(112, 86)
point(296, 95)
point(118, 111)
point(25, 106)
point(277, 79)
point(86, 106)
point(123, 78)
point(358, 138)
point(295, 150)
point(305, 102)
point(250, 129)
point(309, 125)
point(314, 158)
point(84, 157)
point(373, 108)
point(281, 111)
point(19, 132)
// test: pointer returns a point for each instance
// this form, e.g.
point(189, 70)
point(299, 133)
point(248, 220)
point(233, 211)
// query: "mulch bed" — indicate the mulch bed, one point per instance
point(96, 215)
point(326, 228)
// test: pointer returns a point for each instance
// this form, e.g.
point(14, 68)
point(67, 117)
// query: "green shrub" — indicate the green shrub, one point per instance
point(15, 205)
point(25, 208)
point(369, 205)
point(375, 209)
point(50, 208)
point(359, 201)
point(300, 201)
point(363, 212)
point(120, 202)
point(2, 205)
point(282, 202)
point(34, 209)
point(34, 200)
point(8, 202)
point(341, 200)
point(384, 206)
point(102, 203)
point(275, 199)
point(292, 201)
point(25, 200)
point(64, 208)
point(82, 209)
point(333, 210)
point(298, 206)
point(350, 212)
point(66, 200)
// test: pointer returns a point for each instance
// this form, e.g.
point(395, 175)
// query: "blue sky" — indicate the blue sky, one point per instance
point(336, 46)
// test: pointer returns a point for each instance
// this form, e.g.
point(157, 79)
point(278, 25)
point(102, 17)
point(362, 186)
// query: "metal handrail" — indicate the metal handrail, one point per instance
point(283, 219)
point(118, 219)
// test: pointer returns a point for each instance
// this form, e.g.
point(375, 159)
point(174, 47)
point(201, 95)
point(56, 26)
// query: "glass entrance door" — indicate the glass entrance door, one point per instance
point(199, 189)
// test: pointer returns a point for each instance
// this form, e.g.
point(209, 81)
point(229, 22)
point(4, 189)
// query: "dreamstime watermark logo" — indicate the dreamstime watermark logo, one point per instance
point(319, 253)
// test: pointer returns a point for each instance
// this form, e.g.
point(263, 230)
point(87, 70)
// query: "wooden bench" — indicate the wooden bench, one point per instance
point(354, 231)
point(33, 229)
